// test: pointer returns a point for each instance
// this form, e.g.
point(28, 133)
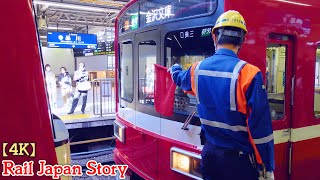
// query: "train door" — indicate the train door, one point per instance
point(147, 53)
point(126, 106)
point(279, 85)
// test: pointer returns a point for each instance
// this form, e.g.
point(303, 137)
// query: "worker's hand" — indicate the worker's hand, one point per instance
point(268, 176)
point(174, 69)
point(171, 69)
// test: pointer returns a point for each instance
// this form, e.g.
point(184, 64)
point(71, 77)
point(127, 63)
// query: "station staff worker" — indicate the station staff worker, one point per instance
point(232, 106)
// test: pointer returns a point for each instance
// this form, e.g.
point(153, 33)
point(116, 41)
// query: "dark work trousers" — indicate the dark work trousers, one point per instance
point(223, 164)
point(76, 100)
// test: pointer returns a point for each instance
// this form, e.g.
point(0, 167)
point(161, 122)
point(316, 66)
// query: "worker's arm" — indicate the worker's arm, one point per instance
point(184, 79)
point(259, 121)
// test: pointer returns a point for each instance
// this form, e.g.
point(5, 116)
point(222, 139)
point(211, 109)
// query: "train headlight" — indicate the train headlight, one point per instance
point(185, 162)
point(119, 131)
point(181, 162)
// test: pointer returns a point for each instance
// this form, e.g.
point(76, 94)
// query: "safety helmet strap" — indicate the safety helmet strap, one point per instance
point(227, 32)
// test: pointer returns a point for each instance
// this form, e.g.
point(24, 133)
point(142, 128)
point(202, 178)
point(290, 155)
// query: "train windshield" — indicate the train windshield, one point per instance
point(187, 47)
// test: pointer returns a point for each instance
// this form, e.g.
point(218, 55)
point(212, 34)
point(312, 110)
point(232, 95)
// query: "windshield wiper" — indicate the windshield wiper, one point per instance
point(188, 120)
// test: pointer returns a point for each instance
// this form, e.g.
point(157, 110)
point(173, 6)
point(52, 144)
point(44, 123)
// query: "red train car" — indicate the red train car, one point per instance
point(283, 41)
point(25, 115)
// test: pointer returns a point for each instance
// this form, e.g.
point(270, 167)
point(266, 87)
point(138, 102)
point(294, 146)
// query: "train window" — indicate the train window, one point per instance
point(185, 48)
point(126, 71)
point(317, 85)
point(147, 59)
point(275, 83)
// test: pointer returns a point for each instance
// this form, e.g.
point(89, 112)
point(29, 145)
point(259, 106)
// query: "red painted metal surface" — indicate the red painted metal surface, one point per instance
point(23, 106)
point(301, 23)
point(306, 159)
point(281, 161)
point(137, 162)
point(164, 145)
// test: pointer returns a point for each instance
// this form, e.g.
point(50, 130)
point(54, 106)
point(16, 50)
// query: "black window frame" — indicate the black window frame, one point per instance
point(181, 117)
point(120, 70)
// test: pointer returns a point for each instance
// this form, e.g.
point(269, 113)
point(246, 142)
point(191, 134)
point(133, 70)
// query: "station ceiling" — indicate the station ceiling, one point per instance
point(80, 16)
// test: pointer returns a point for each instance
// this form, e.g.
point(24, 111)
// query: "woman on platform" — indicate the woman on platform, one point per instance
point(51, 86)
point(64, 80)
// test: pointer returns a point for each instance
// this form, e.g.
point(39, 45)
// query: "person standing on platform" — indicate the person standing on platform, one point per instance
point(82, 88)
point(51, 86)
point(233, 107)
point(64, 80)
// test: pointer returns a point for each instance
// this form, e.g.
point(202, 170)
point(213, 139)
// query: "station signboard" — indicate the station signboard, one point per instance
point(71, 40)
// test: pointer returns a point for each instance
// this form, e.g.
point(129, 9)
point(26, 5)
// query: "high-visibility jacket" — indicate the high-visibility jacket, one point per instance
point(232, 104)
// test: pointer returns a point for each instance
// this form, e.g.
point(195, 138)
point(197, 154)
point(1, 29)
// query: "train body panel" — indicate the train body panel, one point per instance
point(282, 41)
point(24, 108)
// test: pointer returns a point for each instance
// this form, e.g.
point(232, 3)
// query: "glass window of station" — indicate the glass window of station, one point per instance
point(317, 85)
point(187, 47)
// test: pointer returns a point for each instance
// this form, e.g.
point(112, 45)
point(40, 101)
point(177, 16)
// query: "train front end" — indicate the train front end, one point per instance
point(147, 33)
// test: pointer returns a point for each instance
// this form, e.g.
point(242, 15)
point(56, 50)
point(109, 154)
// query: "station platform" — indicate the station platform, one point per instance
point(88, 119)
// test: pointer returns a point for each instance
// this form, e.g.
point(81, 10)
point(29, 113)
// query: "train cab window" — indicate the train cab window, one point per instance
point(317, 85)
point(147, 59)
point(187, 47)
point(275, 79)
point(126, 71)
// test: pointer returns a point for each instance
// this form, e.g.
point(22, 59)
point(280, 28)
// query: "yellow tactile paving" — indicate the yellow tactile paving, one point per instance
point(76, 116)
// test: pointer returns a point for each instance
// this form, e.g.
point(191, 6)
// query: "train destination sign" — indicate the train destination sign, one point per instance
point(72, 40)
point(159, 14)
point(155, 11)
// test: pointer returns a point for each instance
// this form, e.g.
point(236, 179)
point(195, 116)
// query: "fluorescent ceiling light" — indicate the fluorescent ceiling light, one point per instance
point(44, 37)
point(60, 28)
point(105, 2)
point(74, 6)
point(292, 2)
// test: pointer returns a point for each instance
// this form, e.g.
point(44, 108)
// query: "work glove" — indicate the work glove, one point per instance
point(267, 176)
point(173, 69)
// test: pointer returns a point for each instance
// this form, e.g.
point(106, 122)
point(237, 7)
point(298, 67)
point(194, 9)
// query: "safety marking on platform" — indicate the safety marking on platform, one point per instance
point(75, 116)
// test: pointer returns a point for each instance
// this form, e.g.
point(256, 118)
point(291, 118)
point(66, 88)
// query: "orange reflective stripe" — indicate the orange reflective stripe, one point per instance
point(189, 92)
point(256, 152)
point(244, 80)
point(246, 75)
point(193, 86)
